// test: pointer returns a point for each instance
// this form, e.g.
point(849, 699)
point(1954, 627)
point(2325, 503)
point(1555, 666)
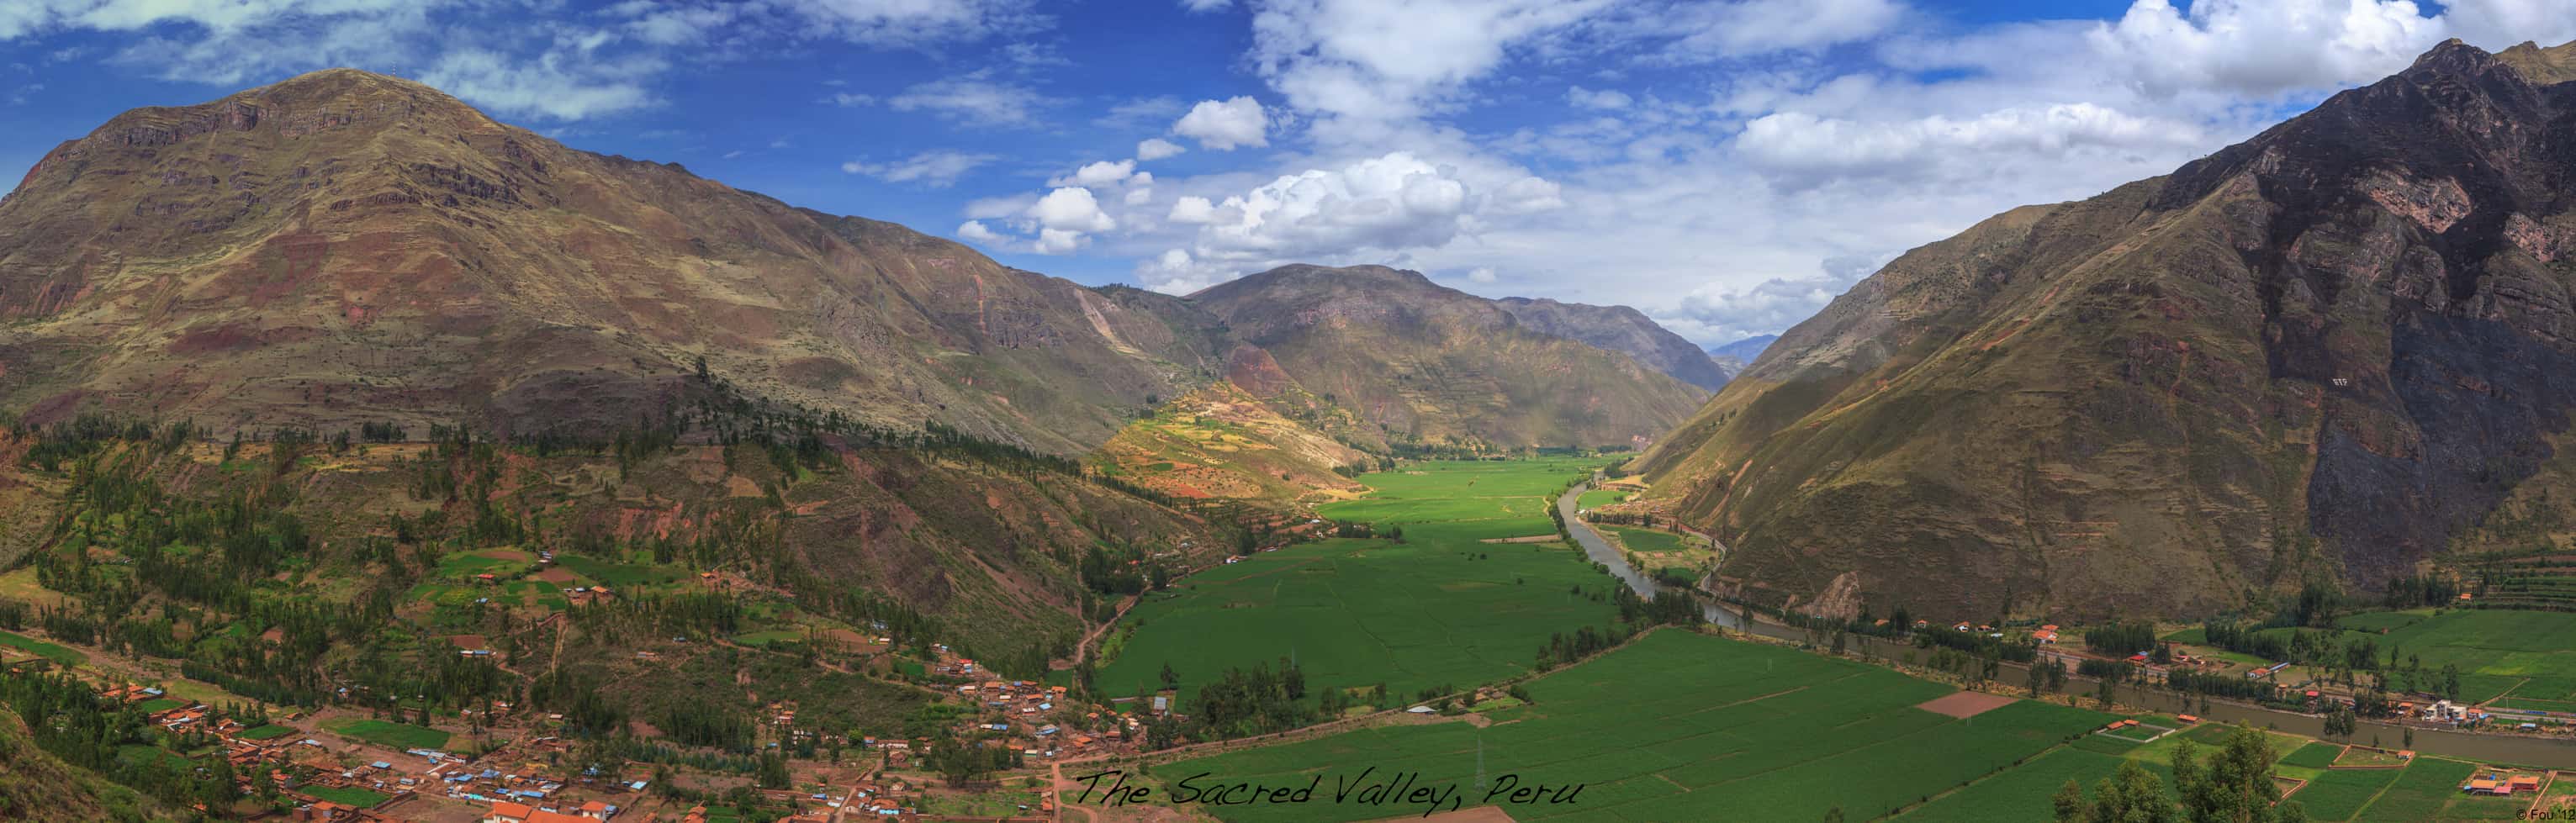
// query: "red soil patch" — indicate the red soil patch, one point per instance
point(557, 575)
point(468, 642)
point(1965, 704)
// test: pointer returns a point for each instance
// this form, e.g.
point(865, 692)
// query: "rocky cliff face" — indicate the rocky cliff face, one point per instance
point(1623, 330)
point(2326, 351)
point(344, 247)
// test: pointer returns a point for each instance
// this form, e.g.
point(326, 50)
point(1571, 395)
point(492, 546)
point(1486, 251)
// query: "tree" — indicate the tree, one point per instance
point(1834, 815)
point(2132, 796)
point(1171, 679)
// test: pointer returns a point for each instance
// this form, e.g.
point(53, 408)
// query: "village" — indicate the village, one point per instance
point(323, 766)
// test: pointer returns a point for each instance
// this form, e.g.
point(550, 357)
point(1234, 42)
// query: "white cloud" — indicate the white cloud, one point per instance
point(1099, 174)
point(974, 231)
point(1747, 28)
point(1482, 275)
point(1804, 149)
point(851, 101)
point(1198, 6)
point(2262, 47)
point(937, 169)
point(1584, 98)
point(1138, 196)
point(1222, 125)
point(1157, 148)
point(1071, 209)
point(1375, 60)
point(974, 99)
point(548, 61)
point(1362, 210)
point(1057, 241)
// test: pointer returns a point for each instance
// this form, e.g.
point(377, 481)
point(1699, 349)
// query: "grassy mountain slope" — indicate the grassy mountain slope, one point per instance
point(1432, 365)
point(2317, 354)
point(37, 787)
point(346, 246)
point(1620, 329)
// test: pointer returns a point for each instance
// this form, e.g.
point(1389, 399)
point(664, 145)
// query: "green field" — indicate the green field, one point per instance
point(397, 735)
point(160, 705)
point(269, 732)
point(1759, 733)
point(49, 651)
point(346, 795)
point(1439, 608)
point(1646, 541)
point(2530, 655)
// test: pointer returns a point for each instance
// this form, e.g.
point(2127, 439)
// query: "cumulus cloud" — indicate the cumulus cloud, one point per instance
point(2263, 47)
point(974, 231)
point(1071, 209)
point(1375, 60)
point(1372, 206)
point(1222, 125)
point(937, 169)
point(1157, 148)
point(1099, 174)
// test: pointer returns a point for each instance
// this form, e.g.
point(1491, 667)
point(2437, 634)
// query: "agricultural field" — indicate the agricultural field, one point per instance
point(2519, 659)
point(1762, 733)
point(347, 795)
point(59, 654)
point(1436, 609)
point(1440, 607)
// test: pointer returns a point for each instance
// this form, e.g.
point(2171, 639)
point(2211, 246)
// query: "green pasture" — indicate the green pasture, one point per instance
point(1646, 541)
point(1761, 733)
point(1434, 610)
point(58, 654)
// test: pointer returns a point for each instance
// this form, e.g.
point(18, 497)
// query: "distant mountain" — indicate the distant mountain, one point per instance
point(2328, 353)
point(1427, 364)
point(1620, 329)
point(1734, 357)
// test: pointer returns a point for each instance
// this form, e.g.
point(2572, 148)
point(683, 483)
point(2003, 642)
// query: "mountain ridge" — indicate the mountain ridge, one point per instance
point(2312, 355)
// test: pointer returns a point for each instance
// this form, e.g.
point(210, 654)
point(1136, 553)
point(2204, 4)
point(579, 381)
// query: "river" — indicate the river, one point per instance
point(2556, 753)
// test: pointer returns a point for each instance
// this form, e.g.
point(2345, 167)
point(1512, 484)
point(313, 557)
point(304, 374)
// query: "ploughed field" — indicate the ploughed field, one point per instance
point(1441, 607)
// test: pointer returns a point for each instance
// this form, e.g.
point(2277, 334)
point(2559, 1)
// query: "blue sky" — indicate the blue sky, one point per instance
point(1725, 165)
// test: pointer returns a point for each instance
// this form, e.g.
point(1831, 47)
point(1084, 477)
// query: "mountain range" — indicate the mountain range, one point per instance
point(346, 247)
point(2326, 354)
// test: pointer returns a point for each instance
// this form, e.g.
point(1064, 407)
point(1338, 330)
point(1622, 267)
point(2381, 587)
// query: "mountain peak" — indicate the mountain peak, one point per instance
point(2543, 66)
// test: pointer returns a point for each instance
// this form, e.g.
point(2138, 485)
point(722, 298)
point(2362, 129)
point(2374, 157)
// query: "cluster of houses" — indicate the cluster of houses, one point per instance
point(509, 812)
point(1026, 713)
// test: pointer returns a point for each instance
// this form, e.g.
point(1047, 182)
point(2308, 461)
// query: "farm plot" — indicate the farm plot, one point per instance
point(1764, 733)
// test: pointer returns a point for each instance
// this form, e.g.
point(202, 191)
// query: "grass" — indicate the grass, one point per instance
point(1646, 541)
point(268, 732)
point(2313, 756)
point(347, 795)
point(1760, 733)
point(397, 735)
point(60, 655)
point(160, 705)
point(2339, 794)
point(1439, 608)
point(2420, 792)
